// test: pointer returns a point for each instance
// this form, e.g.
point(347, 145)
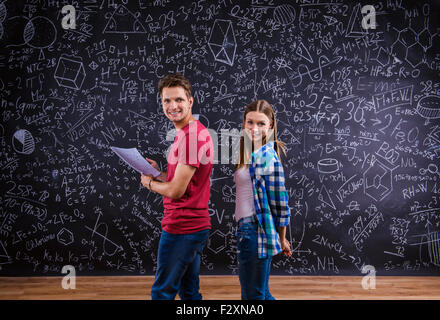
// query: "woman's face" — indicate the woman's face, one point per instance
point(256, 125)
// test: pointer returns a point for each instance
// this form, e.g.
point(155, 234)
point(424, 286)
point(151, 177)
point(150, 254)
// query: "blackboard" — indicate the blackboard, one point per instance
point(356, 93)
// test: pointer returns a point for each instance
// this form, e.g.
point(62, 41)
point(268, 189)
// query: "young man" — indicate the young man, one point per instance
point(185, 188)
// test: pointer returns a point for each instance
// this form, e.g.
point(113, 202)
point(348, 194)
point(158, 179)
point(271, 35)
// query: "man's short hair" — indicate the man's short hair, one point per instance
point(175, 80)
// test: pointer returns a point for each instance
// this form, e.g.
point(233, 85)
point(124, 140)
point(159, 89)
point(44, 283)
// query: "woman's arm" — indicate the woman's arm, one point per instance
point(285, 245)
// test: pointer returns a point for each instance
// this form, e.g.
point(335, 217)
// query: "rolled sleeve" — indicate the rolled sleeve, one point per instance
point(278, 197)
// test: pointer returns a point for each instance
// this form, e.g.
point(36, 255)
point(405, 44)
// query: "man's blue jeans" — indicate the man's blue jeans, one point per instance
point(178, 266)
point(252, 271)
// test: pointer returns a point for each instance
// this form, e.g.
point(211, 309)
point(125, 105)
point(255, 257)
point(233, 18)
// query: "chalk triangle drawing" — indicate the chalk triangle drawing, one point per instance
point(324, 196)
point(4, 257)
point(330, 20)
point(123, 21)
point(354, 28)
point(302, 51)
point(149, 18)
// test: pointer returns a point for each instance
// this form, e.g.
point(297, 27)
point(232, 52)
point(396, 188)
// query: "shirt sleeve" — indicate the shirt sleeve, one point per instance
point(277, 194)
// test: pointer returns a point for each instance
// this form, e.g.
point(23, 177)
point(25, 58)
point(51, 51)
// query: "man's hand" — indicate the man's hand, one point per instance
point(145, 180)
point(153, 163)
point(163, 175)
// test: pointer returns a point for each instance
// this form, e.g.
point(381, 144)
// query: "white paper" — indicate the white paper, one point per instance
point(134, 159)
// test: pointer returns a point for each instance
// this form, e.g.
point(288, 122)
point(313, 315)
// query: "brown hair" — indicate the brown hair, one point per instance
point(175, 80)
point(264, 107)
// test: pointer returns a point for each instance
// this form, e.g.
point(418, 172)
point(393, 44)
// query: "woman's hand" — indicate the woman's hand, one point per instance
point(285, 245)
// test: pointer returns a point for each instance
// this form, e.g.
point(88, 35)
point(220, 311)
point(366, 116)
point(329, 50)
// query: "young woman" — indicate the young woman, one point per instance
point(261, 208)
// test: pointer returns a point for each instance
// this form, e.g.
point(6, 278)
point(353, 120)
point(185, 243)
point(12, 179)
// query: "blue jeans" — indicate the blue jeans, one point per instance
point(252, 271)
point(178, 266)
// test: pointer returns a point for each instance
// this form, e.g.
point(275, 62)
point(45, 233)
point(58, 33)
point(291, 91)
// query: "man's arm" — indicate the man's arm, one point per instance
point(175, 188)
point(162, 177)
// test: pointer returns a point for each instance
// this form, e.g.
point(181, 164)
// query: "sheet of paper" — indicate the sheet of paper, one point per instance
point(134, 159)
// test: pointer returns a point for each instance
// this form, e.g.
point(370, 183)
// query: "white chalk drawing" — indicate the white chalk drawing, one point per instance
point(429, 107)
point(23, 142)
point(300, 212)
point(393, 98)
point(65, 237)
point(328, 165)
point(216, 241)
point(3, 14)
point(302, 51)
point(4, 257)
point(411, 45)
point(330, 20)
point(354, 28)
point(324, 197)
point(38, 32)
point(429, 247)
point(109, 247)
point(315, 74)
point(383, 57)
point(70, 73)
point(378, 180)
point(284, 14)
point(123, 20)
point(222, 41)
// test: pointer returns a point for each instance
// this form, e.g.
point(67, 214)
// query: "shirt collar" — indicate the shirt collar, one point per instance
point(269, 145)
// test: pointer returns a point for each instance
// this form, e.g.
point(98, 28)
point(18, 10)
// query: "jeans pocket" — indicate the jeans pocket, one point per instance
point(244, 236)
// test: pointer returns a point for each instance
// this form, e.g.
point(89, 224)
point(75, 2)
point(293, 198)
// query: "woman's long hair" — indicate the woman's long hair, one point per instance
point(246, 145)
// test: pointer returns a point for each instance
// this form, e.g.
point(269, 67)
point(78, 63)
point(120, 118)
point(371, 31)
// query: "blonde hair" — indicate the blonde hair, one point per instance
point(246, 149)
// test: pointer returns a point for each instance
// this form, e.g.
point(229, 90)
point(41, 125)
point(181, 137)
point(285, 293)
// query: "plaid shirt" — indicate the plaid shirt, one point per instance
point(270, 199)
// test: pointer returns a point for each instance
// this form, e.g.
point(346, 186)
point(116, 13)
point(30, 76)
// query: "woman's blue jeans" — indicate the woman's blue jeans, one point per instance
point(252, 271)
point(178, 266)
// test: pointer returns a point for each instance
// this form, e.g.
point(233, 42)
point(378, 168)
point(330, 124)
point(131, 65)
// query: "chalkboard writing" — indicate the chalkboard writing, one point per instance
point(355, 86)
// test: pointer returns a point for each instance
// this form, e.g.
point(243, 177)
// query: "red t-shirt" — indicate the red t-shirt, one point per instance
point(192, 146)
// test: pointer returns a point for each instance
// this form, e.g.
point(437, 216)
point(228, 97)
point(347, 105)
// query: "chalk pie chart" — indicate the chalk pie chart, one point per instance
point(23, 142)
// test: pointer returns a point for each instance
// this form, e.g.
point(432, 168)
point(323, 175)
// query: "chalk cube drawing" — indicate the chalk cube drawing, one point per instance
point(222, 41)
point(70, 73)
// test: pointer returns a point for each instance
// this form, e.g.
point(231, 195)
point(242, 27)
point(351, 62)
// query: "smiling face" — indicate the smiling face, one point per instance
point(177, 106)
point(256, 125)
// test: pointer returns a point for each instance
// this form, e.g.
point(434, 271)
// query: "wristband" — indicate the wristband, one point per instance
point(149, 184)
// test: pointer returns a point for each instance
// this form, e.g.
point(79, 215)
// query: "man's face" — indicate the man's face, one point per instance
point(176, 105)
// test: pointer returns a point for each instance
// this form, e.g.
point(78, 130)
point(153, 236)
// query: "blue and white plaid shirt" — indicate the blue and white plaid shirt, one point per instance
point(270, 199)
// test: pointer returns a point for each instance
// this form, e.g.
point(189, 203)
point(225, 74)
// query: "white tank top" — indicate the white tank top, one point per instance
point(244, 201)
